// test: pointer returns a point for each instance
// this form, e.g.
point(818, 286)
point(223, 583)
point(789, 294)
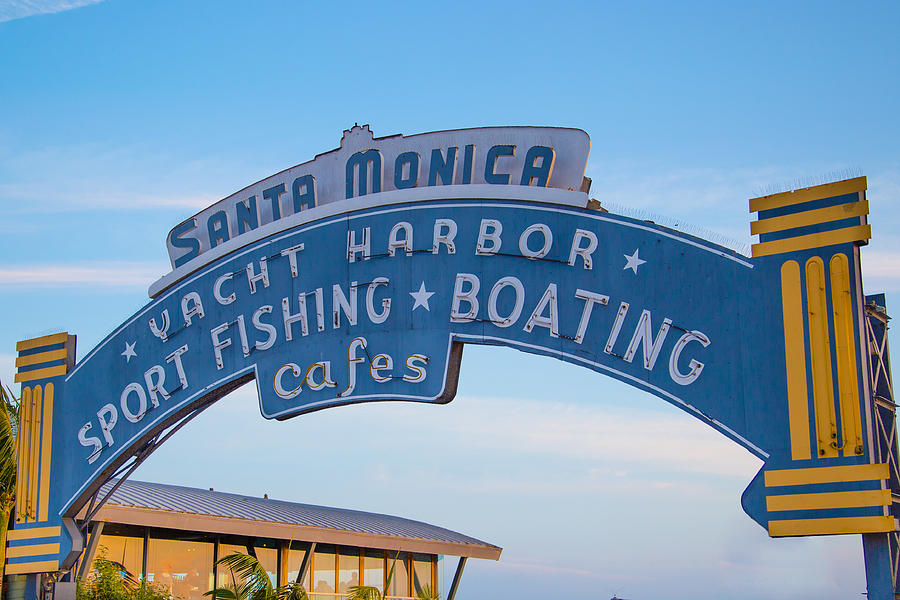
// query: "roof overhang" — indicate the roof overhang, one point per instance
point(147, 517)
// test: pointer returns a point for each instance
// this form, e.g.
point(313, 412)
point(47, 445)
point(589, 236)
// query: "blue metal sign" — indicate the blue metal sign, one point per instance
point(373, 298)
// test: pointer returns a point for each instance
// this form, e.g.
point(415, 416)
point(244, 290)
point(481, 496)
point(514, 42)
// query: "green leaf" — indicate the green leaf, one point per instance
point(255, 584)
point(364, 592)
point(426, 593)
point(291, 591)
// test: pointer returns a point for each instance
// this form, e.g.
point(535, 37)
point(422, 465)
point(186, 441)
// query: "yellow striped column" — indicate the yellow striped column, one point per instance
point(817, 311)
point(33, 544)
point(809, 233)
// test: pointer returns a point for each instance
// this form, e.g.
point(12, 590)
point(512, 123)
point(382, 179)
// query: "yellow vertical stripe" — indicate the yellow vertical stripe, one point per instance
point(25, 392)
point(46, 449)
point(35, 451)
point(820, 354)
point(23, 443)
point(795, 360)
point(842, 305)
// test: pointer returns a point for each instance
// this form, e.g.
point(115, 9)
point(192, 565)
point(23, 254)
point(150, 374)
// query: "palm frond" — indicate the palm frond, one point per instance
point(427, 593)
point(387, 582)
point(364, 592)
point(291, 591)
point(225, 593)
point(8, 433)
point(248, 568)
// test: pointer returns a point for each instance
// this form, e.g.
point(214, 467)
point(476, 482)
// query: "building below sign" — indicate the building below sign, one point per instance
point(172, 536)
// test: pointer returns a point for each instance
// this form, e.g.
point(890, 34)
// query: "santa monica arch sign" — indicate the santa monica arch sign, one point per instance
point(359, 276)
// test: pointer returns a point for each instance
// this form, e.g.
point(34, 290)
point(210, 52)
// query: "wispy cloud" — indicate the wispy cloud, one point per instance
point(7, 371)
point(632, 438)
point(534, 566)
point(577, 431)
point(107, 274)
point(881, 264)
point(19, 9)
point(109, 177)
point(87, 197)
point(881, 271)
point(700, 199)
point(712, 203)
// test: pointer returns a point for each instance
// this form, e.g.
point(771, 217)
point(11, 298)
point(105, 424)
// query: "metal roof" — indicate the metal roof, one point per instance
point(192, 501)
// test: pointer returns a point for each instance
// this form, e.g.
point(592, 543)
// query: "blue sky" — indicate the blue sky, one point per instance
point(120, 118)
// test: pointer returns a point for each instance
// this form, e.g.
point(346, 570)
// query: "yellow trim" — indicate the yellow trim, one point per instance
point(833, 526)
point(816, 192)
point(821, 500)
point(820, 359)
point(284, 563)
point(44, 566)
point(46, 450)
point(810, 217)
point(36, 550)
point(40, 357)
point(857, 233)
point(47, 340)
point(35, 455)
point(845, 348)
point(795, 360)
point(21, 452)
point(33, 532)
point(837, 474)
point(44, 373)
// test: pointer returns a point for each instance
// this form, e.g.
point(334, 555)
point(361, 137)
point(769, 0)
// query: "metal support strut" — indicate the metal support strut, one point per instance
point(456, 577)
point(124, 471)
point(882, 550)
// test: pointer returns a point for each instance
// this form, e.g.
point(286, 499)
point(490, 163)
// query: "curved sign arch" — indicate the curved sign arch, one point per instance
point(482, 236)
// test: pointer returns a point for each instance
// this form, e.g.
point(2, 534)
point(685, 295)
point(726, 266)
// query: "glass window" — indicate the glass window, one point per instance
point(400, 581)
point(324, 571)
point(348, 569)
point(422, 572)
point(267, 557)
point(223, 574)
point(295, 560)
point(373, 569)
point(183, 566)
point(127, 551)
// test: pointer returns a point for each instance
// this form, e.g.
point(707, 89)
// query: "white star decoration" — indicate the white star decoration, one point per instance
point(633, 262)
point(421, 297)
point(129, 351)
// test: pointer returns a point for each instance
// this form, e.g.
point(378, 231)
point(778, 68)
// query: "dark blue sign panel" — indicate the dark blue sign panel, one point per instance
point(375, 300)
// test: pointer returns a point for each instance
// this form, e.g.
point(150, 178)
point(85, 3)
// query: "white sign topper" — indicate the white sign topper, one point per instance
point(537, 156)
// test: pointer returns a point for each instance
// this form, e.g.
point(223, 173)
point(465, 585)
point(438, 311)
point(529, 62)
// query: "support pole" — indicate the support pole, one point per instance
point(882, 550)
point(284, 552)
point(456, 577)
point(304, 566)
point(879, 570)
point(88, 557)
point(147, 551)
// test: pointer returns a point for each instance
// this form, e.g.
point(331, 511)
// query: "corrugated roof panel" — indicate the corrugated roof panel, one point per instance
point(160, 496)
